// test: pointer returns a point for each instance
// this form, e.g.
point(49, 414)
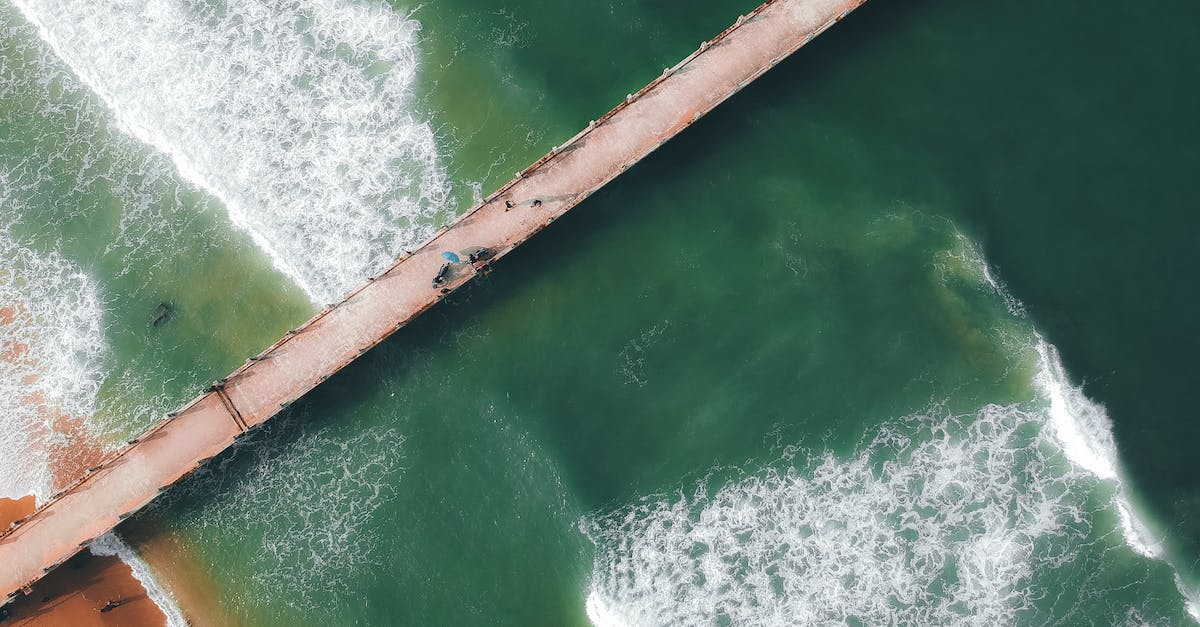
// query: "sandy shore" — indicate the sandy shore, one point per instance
point(179, 572)
point(77, 592)
point(12, 510)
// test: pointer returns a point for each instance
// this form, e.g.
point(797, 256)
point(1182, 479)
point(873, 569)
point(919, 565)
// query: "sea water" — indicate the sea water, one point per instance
point(296, 117)
point(813, 361)
point(51, 360)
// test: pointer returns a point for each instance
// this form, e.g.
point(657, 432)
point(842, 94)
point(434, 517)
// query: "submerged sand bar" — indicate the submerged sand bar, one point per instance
point(133, 476)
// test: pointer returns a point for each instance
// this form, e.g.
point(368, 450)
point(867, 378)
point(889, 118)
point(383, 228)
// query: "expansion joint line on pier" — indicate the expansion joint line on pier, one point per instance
point(130, 478)
point(219, 389)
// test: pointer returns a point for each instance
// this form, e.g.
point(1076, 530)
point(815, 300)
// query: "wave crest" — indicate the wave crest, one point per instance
point(297, 115)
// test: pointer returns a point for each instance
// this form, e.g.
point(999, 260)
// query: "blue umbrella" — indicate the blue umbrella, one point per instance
point(451, 257)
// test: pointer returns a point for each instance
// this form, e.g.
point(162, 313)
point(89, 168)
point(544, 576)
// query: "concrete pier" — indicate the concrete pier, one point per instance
point(132, 477)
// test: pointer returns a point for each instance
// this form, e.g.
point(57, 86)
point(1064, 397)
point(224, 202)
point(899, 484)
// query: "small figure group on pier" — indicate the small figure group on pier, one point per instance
point(475, 255)
point(535, 203)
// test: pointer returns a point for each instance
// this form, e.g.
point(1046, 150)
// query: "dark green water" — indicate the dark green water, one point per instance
point(794, 368)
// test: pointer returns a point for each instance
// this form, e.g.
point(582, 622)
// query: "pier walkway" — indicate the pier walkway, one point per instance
point(132, 477)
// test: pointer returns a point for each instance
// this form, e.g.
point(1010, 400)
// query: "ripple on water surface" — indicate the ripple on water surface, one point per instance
point(305, 508)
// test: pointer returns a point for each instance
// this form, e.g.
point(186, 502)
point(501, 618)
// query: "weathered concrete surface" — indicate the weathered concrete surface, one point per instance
point(304, 358)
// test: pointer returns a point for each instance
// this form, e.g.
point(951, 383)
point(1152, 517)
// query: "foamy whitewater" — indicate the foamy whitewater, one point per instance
point(296, 114)
point(110, 544)
point(944, 523)
point(311, 500)
point(1083, 430)
point(51, 348)
point(937, 520)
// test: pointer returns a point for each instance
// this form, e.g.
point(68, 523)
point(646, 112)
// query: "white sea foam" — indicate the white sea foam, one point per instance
point(944, 523)
point(67, 165)
point(51, 361)
point(1191, 598)
point(953, 528)
point(311, 503)
point(969, 255)
point(1084, 432)
point(110, 544)
point(296, 114)
point(1081, 426)
point(633, 356)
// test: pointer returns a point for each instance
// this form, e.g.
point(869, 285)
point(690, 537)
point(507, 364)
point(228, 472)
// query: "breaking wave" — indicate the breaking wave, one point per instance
point(110, 544)
point(1085, 433)
point(939, 520)
point(296, 114)
point(51, 352)
point(936, 520)
point(1081, 426)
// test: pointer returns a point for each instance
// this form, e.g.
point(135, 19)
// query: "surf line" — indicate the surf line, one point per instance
point(1084, 434)
point(325, 210)
point(337, 336)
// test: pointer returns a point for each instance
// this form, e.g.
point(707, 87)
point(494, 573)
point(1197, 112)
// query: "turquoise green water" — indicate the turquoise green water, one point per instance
point(797, 367)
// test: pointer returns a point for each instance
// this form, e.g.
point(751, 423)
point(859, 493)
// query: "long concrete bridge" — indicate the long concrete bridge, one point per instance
point(266, 384)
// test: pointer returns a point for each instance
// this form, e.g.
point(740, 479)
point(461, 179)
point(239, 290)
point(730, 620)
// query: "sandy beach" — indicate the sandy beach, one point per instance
point(178, 571)
point(75, 593)
point(15, 509)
